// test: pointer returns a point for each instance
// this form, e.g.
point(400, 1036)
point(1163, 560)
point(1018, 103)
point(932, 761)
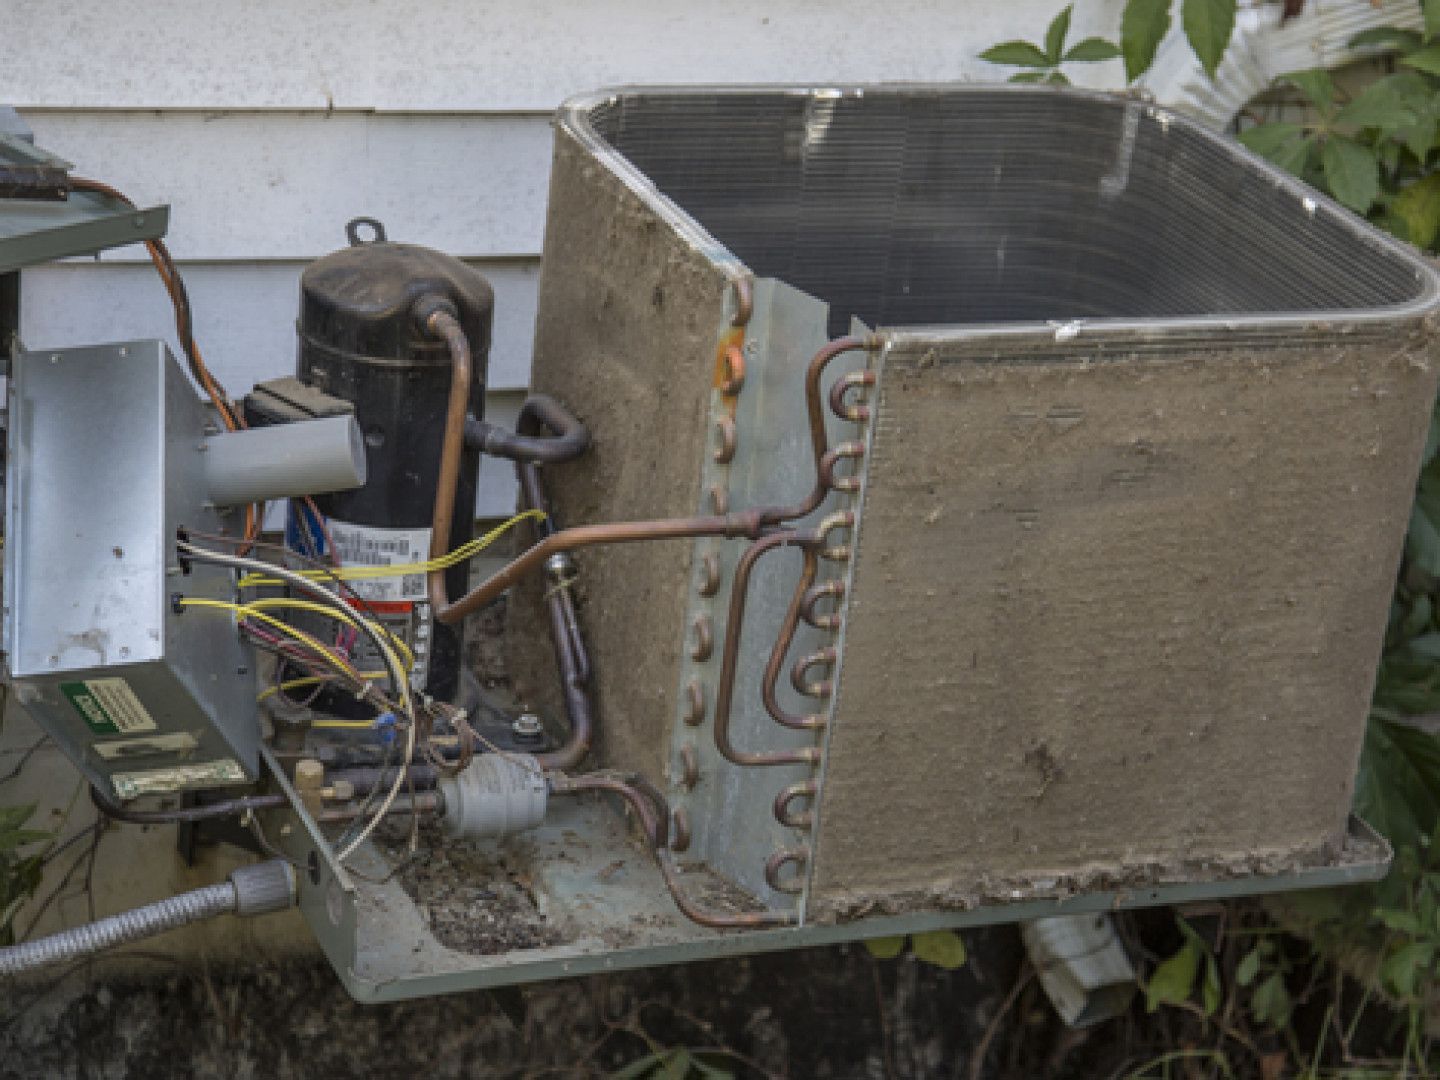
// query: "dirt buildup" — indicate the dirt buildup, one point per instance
point(475, 900)
point(1113, 620)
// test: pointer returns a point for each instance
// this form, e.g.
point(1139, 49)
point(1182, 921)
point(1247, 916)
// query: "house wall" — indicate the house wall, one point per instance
point(268, 125)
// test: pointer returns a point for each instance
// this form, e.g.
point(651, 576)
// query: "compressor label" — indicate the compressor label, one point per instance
point(108, 706)
point(369, 546)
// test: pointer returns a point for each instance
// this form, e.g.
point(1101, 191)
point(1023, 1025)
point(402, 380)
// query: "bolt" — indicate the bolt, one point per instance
point(527, 728)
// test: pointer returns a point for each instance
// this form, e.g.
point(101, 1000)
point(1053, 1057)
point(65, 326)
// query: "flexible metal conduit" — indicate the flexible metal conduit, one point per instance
point(251, 890)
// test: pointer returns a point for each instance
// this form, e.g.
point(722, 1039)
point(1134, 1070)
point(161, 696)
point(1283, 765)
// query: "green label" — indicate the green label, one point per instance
point(89, 708)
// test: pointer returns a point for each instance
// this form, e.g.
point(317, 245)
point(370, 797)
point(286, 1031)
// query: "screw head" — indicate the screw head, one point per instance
point(527, 727)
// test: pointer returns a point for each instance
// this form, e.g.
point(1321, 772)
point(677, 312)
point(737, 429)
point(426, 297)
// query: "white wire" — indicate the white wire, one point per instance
point(401, 679)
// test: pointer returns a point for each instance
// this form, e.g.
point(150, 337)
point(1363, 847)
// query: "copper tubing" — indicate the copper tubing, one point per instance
point(744, 524)
point(680, 829)
point(365, 780)
point(821, 688)
point(444, 325)
point(798, 722)
point(654, 817)
point(653, 814)
point(422, 802)
point(782, 858)
point(709, 574)
point(726, 438)
point(725, 690)
point(734, 371)
point(854, 451)
point(829, 620)
point(819, 441)
point(796, 819)
point(841, 519)
point(744, 287)
point(571, 658)
point(846, 410)
point(694, 703)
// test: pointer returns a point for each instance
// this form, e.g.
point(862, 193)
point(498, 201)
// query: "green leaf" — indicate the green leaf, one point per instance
point(1016, 54)
point(1142, 27)
point(640, 1067)
point(1271, 1003)
point(1397, 789)
point(14, 838)
point(1248, 968)
point(1424, 645)
point(943, 948)
point(1430, 9)
point(1385, 104)
point(1351, 172)
point(1093, 49)
point(1390, 37)
point(1418, 206)
point(1210, 990)
point(1422, 541)
point(12, 817)
point(1403, 970)
point(677, 1065)
point(1057, 78)
point(1174, 978)
point(886, 948)
point(1426, 60)
point(1208, 26)
point(1055, 35)
point(1027, 77)
point(1432, 440)
point(1416, 619)
point(1286, 145)
point(708, 1071)
point(1404, 922)
point(1317, 86)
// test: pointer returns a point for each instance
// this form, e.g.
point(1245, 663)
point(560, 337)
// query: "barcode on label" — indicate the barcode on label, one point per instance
point(372, 547)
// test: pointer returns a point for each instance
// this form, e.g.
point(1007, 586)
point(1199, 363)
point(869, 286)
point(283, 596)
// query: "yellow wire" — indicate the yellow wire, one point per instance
point(440, 562)
point(309, 680)
point(333, 613)
point(245, 611)
point(249, 611)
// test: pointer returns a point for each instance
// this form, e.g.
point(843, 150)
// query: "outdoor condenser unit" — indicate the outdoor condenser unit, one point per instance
point(1127, 424)
point(991, 503)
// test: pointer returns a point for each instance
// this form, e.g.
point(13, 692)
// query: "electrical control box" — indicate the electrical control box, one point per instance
point(106, 463)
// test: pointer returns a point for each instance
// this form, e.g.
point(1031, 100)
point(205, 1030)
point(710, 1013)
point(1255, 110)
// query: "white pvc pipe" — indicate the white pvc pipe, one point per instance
point(308, 457)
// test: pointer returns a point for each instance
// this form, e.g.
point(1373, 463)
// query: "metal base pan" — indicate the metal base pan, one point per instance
point(597, 892)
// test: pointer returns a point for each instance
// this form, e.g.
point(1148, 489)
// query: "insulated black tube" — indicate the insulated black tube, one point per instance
point(569, 438)
point(185, 813)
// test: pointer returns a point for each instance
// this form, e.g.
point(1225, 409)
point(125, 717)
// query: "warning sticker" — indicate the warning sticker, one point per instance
point(370, 546)
point(108, 706)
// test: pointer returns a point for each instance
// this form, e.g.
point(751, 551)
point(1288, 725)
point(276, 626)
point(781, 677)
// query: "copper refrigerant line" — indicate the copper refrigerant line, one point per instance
point(794, 805)
point(758, 525)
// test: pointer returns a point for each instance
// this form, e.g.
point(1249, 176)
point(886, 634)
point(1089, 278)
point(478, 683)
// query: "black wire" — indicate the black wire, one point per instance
point(24, 759)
